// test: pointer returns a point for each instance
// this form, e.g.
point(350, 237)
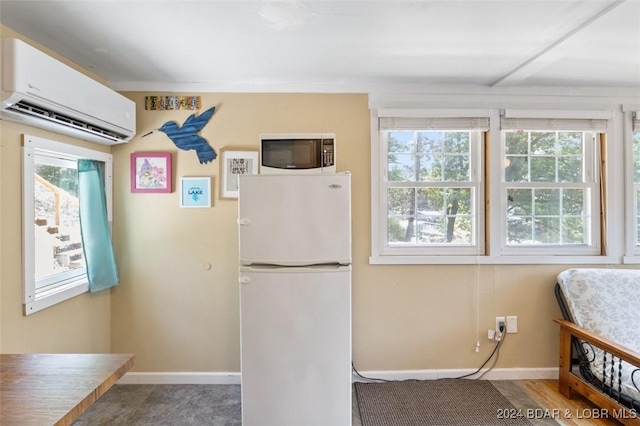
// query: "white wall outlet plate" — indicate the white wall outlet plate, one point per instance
point(512, 324)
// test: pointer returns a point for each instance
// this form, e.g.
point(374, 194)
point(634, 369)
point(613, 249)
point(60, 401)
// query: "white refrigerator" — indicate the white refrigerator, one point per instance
point(295, 299)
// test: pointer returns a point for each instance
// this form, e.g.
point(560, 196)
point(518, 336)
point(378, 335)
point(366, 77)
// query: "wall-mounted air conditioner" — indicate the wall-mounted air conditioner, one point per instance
point(40, 91)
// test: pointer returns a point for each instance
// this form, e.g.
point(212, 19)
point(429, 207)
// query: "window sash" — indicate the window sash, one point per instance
point(48, 282)
point(477, 193)
point(590, 186)
point(635, 226)
point(40, 295)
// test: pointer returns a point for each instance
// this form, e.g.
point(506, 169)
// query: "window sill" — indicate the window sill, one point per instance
point(631, 260)
point(52, 297)
point(495, 260)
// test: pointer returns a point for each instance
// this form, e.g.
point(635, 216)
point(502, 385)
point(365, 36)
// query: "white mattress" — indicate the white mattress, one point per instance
point(607, 302)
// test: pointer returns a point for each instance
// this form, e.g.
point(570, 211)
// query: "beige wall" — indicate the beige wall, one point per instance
point(173, 313)
point(178, 316)
point(78, 325)
point(81, 324)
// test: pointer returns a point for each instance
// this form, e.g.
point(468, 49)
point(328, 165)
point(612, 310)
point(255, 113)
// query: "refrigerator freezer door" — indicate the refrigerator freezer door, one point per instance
point(296, 346)
point(295, 220)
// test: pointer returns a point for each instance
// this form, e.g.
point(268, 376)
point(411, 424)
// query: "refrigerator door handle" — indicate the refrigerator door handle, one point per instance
point(244, 221)
point(244, 280)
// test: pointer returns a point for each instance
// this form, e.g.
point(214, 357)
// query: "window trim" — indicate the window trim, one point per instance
point(632, 245)
point(612, 230)
point(591, 162)
point(36, 300)
point(380, 253)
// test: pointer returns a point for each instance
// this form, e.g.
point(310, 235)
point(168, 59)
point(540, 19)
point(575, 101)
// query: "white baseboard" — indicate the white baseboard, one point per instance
point(233, 378)
point(495, 374)
point(180, 378)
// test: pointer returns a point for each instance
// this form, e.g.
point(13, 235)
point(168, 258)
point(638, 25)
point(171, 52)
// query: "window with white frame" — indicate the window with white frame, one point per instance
point(54, 268)
point(635, 142)
point(550, 191)
point(430, 190)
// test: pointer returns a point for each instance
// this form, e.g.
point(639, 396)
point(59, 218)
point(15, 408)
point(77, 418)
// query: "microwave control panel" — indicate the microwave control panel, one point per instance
point(327, 153)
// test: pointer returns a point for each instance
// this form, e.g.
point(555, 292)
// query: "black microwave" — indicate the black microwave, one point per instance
point(298, 153)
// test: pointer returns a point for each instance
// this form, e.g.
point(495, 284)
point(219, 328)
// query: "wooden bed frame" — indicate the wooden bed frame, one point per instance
point(570, 382)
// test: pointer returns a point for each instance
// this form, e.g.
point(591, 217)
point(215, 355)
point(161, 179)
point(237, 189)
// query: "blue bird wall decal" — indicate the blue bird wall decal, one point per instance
point(186, 137)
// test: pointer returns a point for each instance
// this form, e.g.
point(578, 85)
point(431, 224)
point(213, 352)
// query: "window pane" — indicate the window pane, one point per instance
point(459, 217)
point(430, 201)
point(431, 215)
point(430, 169)
point(570, 143)
point(519, 230)
point(401, 142)
point(519, 202)
point(430, 141)
point(570, 169)
point(456, 168)
point(573, 230)
point(516, 169)
point(573, 202)
point(517, 143)
point(543, 169)
point(543, 143)
point(636, 157)
point(58, 243)
point(401, 222)
point(547, 230)
point(456, 142)
point(547, 202)
point(402, 167)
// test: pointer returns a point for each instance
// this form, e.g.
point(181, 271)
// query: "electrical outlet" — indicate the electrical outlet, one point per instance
point(512, 324)
point(499, 321)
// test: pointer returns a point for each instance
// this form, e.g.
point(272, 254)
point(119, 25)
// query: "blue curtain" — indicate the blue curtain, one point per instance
point(94, 225)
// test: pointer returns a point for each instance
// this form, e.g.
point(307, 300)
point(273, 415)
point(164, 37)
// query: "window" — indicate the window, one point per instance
point(550, 191)
point(498, 187)
point(431, 189)
point(633, 130)
point(54, 268)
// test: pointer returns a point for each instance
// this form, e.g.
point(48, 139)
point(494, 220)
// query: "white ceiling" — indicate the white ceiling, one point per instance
point(339, 45)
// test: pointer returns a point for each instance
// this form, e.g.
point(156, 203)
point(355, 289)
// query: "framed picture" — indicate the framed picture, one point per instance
point(234, 163)
point(195, 192)
point(151, 172)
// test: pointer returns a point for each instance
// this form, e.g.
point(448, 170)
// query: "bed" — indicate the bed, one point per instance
point(600, 339)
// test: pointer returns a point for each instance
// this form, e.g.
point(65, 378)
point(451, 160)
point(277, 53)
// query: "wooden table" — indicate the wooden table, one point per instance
point(54, 389)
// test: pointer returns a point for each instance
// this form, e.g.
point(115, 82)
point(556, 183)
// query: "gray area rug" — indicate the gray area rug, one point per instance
point(441, 402)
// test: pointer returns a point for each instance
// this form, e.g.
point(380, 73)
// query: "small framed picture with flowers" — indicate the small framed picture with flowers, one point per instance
point(151, 172)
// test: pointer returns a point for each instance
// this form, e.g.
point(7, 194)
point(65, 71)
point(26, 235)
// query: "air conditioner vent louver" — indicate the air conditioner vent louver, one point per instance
point(36, 111)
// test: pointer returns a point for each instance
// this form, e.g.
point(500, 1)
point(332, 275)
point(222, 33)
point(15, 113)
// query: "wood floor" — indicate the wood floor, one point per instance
point(576, 411)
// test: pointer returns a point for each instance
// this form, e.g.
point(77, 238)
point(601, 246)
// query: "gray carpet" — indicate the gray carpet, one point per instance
point(435, 402)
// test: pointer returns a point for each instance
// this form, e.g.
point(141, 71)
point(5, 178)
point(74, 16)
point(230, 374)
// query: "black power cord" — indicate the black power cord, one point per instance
point(496, 351)
point(502, 330)
point(372, 379)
